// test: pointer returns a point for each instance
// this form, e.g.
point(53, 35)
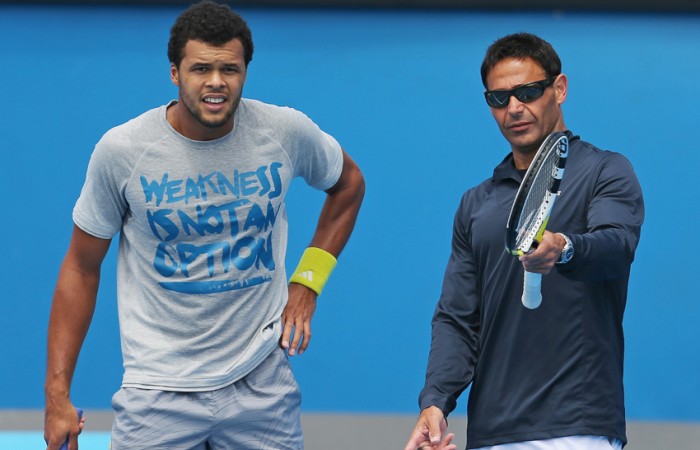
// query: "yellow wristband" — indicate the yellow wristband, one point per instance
point(314, 269)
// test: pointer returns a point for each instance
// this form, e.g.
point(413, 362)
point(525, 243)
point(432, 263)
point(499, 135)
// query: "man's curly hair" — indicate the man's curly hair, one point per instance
point(212, 23)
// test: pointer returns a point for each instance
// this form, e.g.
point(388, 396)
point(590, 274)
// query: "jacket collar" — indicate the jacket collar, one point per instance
point(506, 169)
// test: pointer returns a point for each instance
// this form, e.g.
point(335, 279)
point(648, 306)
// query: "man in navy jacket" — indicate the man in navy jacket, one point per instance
point(551, 377)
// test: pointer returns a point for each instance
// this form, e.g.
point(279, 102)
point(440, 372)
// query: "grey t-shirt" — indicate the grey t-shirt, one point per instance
point(201, 281)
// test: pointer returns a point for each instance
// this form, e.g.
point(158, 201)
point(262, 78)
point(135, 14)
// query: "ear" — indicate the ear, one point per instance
point(174, 75)
point(561, 85)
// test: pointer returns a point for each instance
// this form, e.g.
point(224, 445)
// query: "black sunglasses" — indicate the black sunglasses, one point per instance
point(526, 93)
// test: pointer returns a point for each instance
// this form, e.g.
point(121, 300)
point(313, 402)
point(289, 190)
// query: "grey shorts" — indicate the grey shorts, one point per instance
point(260, 411)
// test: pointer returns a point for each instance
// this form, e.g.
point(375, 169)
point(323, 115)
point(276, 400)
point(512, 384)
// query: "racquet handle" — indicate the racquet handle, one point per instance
point(532, 290)
point(80, 416)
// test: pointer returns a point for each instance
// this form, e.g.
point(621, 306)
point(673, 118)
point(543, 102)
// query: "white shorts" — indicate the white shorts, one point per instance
point(563, 443)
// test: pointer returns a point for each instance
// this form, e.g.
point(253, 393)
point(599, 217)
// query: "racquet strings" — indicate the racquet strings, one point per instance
point(540, 182)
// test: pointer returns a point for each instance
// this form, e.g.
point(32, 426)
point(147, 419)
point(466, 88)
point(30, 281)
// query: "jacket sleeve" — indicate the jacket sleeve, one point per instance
point(614, 219)
point(455, 324)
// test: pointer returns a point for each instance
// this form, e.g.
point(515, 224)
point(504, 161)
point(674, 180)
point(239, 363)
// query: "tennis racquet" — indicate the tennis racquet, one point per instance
point(532, 206)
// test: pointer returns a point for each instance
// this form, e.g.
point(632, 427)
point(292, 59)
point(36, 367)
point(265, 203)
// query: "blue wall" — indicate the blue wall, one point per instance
point(401, 92)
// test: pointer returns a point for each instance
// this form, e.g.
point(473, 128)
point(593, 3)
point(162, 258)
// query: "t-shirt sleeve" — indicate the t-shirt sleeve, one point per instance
point(317, 157)
point(101, 205)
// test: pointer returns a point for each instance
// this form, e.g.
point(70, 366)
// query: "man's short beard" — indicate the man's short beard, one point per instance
point(211, 123)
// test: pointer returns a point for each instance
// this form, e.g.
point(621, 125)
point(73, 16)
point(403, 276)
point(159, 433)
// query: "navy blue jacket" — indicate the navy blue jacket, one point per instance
point(556, 370)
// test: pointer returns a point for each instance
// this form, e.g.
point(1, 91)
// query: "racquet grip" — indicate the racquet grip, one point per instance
point(532, 290)
point(80, 416)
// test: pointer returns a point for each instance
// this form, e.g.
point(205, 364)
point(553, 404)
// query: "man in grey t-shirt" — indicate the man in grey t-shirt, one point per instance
point(196, 190)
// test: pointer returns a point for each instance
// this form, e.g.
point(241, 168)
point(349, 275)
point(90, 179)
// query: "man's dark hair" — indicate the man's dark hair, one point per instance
point(521, 46)
point(212, 23)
